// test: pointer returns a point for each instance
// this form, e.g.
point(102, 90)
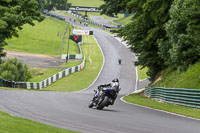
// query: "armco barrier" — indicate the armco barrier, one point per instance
point(50, 80)
point(179, 96)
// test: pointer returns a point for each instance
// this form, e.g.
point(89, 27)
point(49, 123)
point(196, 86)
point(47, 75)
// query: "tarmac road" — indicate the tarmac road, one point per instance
point(70, 110)
point(101, 20)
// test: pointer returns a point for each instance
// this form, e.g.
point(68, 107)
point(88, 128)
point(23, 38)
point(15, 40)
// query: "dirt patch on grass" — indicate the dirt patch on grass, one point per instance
point(35, 60)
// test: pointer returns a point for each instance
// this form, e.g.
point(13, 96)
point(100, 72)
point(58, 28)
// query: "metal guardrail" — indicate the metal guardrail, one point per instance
point(179, 96)
point(44, 83)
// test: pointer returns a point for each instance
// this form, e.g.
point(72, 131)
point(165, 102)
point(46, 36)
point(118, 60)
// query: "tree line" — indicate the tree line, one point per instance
point(162, 33)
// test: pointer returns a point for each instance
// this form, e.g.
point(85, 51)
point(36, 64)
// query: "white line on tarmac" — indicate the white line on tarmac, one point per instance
point(99, 71)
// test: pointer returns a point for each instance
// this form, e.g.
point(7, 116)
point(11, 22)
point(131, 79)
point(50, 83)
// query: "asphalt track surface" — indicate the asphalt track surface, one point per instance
point(70, 110)
point(101, 20)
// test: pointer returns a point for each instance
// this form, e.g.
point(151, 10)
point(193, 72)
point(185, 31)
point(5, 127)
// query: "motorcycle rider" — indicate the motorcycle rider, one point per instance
point(112, 85)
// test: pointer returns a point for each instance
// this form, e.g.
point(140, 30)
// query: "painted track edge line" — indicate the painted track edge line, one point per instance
point(99, 71)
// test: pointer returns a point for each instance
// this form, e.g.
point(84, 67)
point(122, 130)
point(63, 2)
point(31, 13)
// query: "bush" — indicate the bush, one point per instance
point(14, 70)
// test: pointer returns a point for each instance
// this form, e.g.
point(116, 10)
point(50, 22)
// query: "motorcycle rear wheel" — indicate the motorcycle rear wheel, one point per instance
point(104, 103)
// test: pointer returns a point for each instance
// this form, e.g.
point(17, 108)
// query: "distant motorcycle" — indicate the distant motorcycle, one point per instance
point(103, 97)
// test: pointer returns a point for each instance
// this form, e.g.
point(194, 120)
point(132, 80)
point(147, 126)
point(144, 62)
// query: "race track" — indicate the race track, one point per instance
point(70, 110)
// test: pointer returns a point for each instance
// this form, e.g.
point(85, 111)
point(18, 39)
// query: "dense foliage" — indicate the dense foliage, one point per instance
point(161, 33)
point(14, 70)
point(13, 15)
point(183, 31)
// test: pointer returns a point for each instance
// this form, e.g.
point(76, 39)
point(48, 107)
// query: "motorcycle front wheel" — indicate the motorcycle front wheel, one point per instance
point(90, 104)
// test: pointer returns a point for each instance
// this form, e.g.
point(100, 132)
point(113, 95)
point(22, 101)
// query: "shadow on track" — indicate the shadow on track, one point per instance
point(108, 110)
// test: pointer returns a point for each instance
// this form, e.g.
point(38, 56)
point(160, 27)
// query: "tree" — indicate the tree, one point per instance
point(161, 33)
point(14, 70)
point(41, 5)
point(183, 30)
point(13, 15)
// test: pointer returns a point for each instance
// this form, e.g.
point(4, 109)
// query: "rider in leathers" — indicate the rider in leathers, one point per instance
point(113, 85)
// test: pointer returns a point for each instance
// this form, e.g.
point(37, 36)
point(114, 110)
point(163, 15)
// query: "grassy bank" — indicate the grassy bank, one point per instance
point(44, 38)
point(84, 78)
point(12, 124)
point(177, 79)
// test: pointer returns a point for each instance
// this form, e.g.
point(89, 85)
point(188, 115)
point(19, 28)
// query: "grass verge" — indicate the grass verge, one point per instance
point(144, 101)
point(12, 124)
point(142, 73)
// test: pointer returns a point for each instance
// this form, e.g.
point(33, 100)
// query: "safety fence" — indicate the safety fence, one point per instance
point(44, 83)
point(89, 21)
point(179, 96)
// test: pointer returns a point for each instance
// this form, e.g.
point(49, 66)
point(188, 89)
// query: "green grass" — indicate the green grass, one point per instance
point(43, 38)
point(141, 100)
point(84, 78)
point(40, 74)
point(71, 64)
point(88, 3)
point(12, 124)
point(176, 79)
point(123, 20)
point(142, 73)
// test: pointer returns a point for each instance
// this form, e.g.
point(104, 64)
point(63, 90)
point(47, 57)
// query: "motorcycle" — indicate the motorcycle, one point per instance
point(103, 98)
